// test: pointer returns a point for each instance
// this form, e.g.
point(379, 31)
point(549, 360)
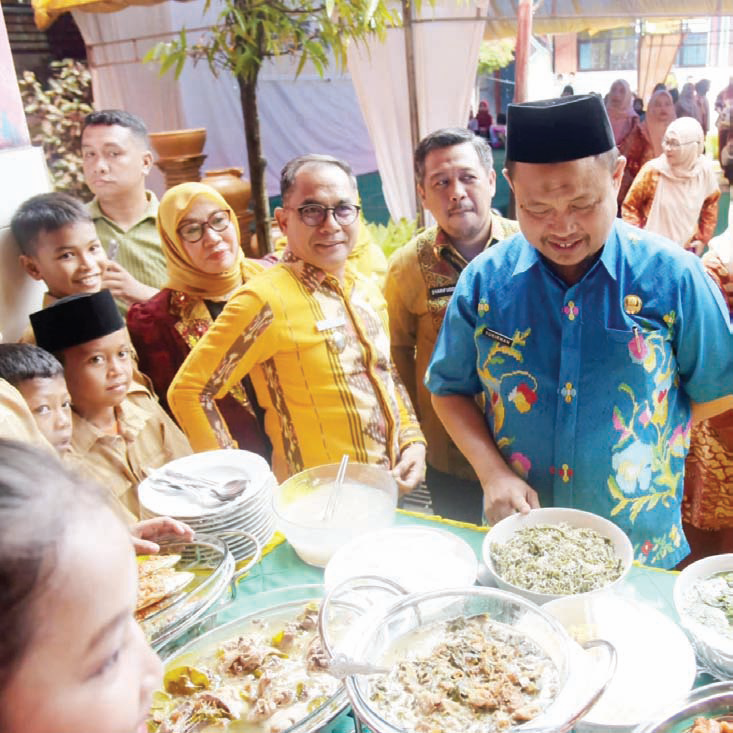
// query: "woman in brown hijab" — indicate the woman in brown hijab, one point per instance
point(644, 142)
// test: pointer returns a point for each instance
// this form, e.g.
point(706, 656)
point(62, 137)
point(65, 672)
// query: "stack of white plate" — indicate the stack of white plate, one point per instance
point(251, 511)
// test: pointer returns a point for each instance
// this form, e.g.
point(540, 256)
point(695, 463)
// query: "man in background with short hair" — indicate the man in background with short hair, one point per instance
point(116, 160)
point(456, 182)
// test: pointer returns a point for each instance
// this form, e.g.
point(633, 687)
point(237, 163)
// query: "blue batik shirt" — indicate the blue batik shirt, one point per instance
point(588, 387)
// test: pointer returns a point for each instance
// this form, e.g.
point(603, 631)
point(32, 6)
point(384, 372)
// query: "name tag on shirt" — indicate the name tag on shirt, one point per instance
point(327, 324)
point(496, 336)
point(442, 292)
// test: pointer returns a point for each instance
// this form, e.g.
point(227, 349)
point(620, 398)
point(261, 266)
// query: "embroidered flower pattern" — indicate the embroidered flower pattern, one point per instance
point(523, 397)
point(571, 310)
point(653, 550)
point(520, 463)
point(519, 387)
point(646, 458)
point(568, 392)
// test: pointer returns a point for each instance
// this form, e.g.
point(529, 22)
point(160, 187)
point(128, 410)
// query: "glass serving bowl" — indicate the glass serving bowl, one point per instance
point(274, 607)
point(212, 565)
point(376, 635)
point(711, 701)
point(367, 501)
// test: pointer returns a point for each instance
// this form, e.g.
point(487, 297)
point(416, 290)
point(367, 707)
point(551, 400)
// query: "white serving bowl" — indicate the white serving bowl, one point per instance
point(714, 650)
point(367, 502)
point(654, 656)
point(504, 529)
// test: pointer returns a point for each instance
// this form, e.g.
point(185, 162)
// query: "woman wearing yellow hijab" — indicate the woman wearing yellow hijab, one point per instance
point(200, 236)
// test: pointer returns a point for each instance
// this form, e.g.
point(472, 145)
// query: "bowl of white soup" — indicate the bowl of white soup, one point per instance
point(317, 518)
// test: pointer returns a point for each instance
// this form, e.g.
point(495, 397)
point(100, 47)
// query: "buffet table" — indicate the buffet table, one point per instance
point(281, 568)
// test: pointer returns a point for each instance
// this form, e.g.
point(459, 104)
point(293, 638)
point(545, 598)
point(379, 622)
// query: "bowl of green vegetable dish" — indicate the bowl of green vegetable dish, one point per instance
point(703, 597)
point(555, 552)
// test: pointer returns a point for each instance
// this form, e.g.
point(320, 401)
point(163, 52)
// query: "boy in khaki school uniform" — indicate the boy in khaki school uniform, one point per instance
point(117, 436)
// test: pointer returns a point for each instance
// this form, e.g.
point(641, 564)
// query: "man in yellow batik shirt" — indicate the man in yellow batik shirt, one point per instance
point(312, 335)
point(456, 182)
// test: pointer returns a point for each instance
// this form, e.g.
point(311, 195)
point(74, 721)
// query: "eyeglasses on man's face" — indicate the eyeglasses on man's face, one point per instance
point(313, 215)
point(194, 231)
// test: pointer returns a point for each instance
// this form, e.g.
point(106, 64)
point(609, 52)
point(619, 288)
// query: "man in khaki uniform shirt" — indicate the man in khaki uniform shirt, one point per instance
point(456, 182)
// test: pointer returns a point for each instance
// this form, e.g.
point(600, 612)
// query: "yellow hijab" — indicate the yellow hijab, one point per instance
point(182, 274)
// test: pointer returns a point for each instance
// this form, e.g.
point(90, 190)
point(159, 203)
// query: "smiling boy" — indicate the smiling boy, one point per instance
point(59, 245)
point(118, 436)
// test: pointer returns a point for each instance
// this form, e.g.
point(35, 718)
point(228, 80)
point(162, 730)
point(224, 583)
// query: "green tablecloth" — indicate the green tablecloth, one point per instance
point(281, 568)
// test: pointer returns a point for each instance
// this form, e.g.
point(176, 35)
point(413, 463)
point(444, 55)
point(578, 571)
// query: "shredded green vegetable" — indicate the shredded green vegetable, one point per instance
point(557, 559)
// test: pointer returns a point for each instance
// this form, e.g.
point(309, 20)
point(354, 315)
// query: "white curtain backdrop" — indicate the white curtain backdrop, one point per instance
point(297, 116)
point(446, 56)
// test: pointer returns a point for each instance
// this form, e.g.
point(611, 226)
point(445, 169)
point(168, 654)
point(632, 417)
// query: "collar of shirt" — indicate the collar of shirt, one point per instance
point(530, 257)
point(130, 418)
point(151, 210)
point(314, 277)
point(444, 248)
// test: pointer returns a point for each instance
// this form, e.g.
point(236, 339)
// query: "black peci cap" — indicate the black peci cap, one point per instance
point(558, 130)
point(75, 320)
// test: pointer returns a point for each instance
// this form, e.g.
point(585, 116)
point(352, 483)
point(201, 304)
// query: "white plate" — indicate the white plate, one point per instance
point(218, 465)
point(656, 662)
point(419, 559)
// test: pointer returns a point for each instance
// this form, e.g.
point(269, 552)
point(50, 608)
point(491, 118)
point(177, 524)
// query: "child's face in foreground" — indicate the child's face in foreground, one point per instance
point(70, 260)
point(99, 372)
point(88, 668)
point(49, 401)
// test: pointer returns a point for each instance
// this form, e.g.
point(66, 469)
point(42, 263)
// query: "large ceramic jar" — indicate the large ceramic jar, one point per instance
point(230, 184)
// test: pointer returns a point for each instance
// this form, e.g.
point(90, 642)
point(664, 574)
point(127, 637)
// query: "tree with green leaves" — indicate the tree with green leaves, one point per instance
point(248, 32)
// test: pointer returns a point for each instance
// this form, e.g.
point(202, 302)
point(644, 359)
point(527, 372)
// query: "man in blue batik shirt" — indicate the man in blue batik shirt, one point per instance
point(591, 340)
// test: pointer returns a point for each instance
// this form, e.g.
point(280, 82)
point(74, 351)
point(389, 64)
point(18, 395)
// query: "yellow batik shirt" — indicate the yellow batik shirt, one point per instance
point(317, 353)
point(420, 281)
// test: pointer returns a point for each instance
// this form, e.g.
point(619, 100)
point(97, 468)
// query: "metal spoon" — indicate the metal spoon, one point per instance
point(181, 482)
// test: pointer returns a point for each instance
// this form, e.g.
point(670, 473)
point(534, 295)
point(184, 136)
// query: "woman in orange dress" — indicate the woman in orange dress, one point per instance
point(644, 142)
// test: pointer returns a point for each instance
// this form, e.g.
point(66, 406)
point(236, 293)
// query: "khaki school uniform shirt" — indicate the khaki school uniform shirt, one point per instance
point(16, 420)
point(146, 440)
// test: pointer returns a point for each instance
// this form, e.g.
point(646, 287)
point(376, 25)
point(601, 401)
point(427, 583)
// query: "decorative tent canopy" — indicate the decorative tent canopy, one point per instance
point(550, 16)
point(46, 11)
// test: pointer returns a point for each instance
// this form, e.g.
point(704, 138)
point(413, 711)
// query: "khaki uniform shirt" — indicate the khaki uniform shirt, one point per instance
point(420, 281)
point(16, 420)
point(147, 439)
point(139, 250)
